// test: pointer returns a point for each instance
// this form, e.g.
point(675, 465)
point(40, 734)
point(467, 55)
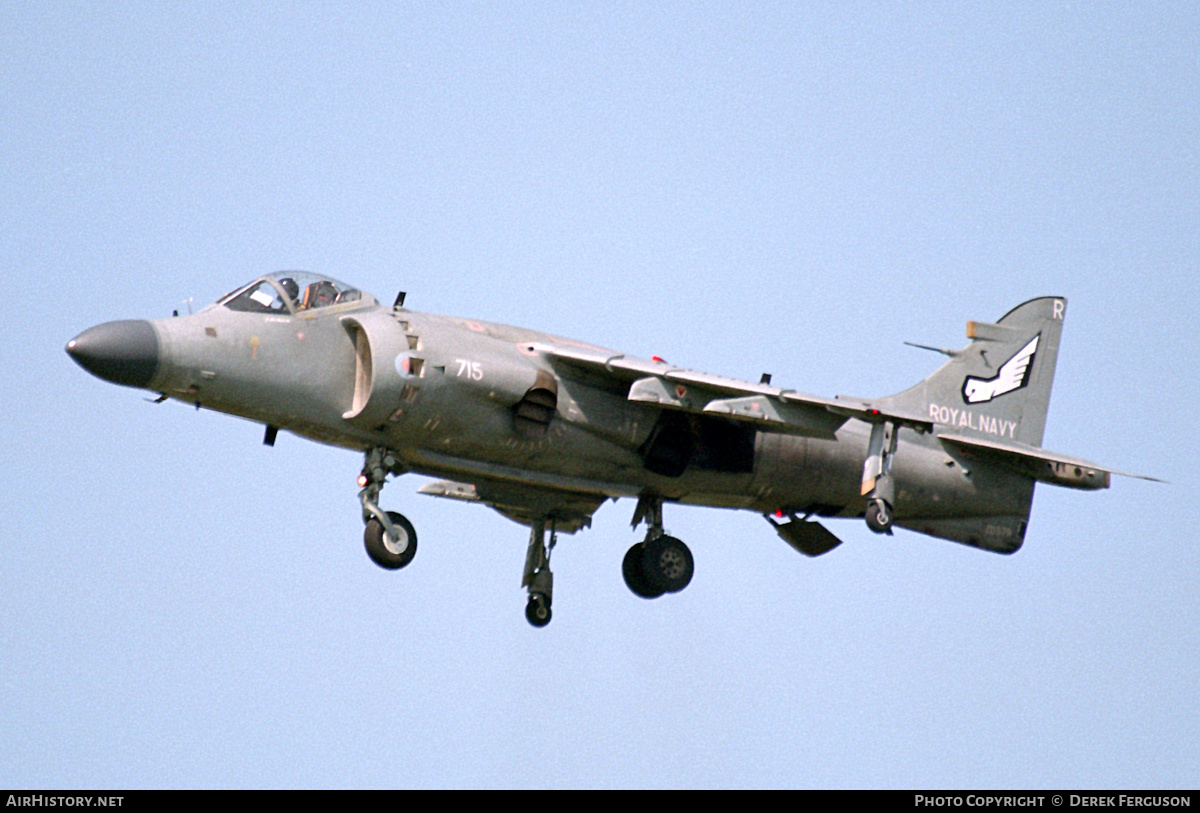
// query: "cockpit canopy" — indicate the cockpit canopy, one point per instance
point(290, 292)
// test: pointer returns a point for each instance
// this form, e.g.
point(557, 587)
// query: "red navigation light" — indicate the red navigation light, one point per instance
point(363, 481)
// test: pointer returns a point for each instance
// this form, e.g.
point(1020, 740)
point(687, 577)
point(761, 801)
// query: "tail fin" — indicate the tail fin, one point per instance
point(998, 386)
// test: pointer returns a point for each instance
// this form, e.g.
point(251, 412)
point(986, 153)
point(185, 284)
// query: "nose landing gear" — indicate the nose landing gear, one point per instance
point(390, 539)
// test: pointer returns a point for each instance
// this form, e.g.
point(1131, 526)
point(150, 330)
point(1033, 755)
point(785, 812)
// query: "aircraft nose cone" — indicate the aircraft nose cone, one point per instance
point(123, 352)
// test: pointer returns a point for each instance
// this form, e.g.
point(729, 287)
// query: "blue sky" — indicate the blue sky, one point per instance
point(795, 188)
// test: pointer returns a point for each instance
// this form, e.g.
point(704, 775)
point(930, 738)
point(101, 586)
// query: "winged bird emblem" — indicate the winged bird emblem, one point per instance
point(1013, 375)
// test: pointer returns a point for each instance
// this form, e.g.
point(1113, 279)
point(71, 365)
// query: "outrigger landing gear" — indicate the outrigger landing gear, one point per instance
point(879, 516)
point(660, 563)
point(538, 578)
point(390, 539)
point(878, 486)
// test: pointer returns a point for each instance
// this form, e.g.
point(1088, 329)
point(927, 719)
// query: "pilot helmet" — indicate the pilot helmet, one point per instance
point(290, 287)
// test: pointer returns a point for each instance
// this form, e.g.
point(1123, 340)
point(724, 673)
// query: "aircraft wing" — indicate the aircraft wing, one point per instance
point(1040, 464)
point(770, 408)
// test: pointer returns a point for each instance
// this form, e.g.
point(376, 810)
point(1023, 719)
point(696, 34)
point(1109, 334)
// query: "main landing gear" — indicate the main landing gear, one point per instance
point(660, 563)
point(390, 539)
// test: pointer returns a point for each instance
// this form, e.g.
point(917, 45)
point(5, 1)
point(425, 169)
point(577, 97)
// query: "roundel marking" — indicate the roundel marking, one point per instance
point(404, 365)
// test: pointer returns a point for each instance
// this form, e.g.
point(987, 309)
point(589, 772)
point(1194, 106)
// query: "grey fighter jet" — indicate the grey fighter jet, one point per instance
point(544, 429)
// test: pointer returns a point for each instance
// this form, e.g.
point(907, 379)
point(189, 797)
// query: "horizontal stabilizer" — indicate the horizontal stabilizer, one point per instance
point(1040, 464)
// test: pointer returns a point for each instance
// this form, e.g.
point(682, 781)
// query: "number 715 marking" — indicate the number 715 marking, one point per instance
point(469, 369)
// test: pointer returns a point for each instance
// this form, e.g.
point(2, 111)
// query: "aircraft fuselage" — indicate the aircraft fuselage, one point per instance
point(441, 391)
point(545, 429)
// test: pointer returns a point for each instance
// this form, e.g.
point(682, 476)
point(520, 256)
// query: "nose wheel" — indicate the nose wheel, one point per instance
point(392, 549)
point(390, 539)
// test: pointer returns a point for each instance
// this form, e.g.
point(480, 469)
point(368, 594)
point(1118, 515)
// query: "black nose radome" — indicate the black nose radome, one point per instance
point(121, 352)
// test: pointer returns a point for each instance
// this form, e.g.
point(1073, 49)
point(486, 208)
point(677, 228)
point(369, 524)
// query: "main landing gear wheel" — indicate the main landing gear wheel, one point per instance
point(667, 564)
point(660, 565)
point(537, 611)
point(386, 551)
point(631, 569)
point(879, 517)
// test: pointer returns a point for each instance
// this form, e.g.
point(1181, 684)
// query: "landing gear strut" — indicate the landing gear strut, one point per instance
point(878, 485)
point(538, 578)
point(659, 563)
point(390, 539)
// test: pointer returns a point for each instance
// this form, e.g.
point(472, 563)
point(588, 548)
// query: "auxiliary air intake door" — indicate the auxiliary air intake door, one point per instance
point(377, 337)
point(363, 373)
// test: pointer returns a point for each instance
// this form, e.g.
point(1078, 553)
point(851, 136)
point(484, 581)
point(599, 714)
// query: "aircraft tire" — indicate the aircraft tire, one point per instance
point(382, 550)
point(635, 580)
point(537, 611)
point(879, 517)
point(667, 564)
